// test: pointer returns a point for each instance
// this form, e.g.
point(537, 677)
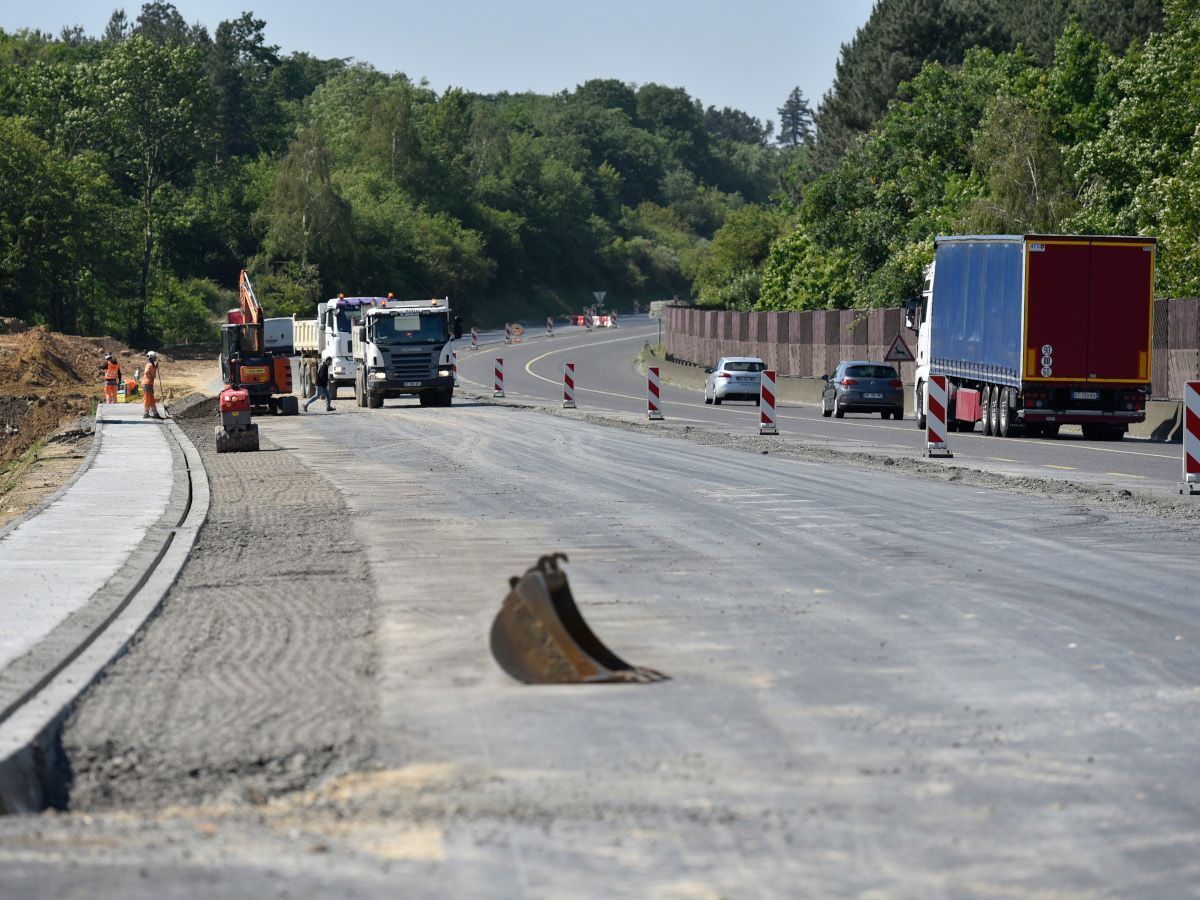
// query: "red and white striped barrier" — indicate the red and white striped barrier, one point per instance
point(474, 338)
point(454, 365)
point(653, 393)
point(569, 386)
point(766, 403)
point(498, 391)
point(1191, 438)
point(549, 326)
point(935, 417)
point(508, 332)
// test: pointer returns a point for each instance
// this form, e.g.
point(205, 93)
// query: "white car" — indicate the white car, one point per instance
point(734, 378)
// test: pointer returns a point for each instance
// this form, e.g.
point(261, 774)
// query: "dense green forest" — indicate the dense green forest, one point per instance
point(140, 169)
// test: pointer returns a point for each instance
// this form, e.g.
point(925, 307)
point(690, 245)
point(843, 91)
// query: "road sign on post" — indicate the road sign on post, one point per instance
point(599, 295)
point(898, 352)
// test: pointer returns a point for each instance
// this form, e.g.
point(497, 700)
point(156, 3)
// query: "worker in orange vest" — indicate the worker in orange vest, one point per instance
point(112, 377)
point(149, 410)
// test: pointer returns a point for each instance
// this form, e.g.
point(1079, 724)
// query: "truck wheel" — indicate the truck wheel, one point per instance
point(985, 409)
point(445, 397)
point(374, 399)
point(289, 406)
point(920, 405)
point(1003, 415)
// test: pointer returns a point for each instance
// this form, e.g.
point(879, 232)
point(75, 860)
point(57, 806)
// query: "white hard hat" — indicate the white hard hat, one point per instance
point(151, 355)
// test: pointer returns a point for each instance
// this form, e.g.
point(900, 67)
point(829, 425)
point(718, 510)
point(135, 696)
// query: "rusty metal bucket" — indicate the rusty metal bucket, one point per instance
point(539, 636)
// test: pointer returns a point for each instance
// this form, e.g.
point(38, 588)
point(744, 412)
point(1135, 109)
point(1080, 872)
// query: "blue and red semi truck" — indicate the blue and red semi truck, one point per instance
point(1038, 331)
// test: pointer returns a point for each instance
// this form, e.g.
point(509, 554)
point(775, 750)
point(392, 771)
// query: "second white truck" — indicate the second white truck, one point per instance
point(404, 348)
point(328, 336)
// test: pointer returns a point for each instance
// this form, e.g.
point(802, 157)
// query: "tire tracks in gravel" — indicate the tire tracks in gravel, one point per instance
point(258, 675)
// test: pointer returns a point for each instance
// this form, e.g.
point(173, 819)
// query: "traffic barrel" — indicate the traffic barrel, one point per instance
point(454, 365)
point(474, 338)
point(766, 403)
point(1191, 438)
point(653, 394)
point(508, 332)
point(569, 386)
point(549, 326)
point(498, 391)
point(935, 417)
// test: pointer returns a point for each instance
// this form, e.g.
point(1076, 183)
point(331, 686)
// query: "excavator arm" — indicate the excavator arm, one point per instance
point(252, 316)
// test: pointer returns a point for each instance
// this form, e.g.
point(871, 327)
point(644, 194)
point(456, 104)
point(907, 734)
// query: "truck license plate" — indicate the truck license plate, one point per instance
point(1085, 395)
point(873, 396)
point(412, 384)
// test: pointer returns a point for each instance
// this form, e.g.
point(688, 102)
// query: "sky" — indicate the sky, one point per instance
point(745, 54)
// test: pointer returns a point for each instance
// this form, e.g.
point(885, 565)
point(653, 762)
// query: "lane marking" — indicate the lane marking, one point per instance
point(1050, 466)
point(1000, 458)
point(1126, 475)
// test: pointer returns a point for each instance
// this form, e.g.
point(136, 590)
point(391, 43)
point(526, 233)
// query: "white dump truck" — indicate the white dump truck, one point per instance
point(328, 336)
point(404, 348)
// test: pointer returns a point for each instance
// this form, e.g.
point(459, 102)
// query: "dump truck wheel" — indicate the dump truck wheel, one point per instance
point(374, 399)
point(289, 406)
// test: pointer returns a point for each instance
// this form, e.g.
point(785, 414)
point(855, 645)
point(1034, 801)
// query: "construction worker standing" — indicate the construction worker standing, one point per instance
point(112, 377)
point(149, 374)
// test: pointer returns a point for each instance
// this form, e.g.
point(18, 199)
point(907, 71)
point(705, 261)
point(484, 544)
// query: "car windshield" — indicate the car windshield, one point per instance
point(413, 329)
point(871, 372)
point(744, 366)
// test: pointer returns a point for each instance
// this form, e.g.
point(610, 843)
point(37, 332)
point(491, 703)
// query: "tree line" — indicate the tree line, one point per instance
point(977, 117)
point(142, 168)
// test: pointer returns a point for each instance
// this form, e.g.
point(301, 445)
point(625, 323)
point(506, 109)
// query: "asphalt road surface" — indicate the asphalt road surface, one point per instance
point(882, 684)
point(879, 683)
point(607, 380)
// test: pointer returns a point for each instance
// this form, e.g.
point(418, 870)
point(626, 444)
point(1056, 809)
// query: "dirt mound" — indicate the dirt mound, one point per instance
point(38, 358)
point(194, 406)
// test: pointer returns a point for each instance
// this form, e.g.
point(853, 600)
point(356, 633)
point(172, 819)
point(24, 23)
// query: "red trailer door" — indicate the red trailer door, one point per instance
point(1120, 326)
point(1057, 285)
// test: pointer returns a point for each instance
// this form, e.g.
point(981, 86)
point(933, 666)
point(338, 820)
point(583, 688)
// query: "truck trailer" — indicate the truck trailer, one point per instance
point(1037, 331)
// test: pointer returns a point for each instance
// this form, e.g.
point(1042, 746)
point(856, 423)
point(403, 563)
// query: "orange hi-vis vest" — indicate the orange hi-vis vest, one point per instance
point(148, 376)
point(111, 371)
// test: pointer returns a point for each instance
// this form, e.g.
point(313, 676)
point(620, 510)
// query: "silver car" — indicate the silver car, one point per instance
point(863, 386)
point(734, 378)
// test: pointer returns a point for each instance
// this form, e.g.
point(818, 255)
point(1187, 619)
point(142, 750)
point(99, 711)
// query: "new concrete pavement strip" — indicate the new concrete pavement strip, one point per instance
point(77, 565)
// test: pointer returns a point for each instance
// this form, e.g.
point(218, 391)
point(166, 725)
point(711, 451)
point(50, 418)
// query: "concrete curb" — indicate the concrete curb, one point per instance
point(33, 770)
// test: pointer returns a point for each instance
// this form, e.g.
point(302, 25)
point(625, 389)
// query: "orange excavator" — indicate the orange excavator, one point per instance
point(246, 362)
point(255, 377)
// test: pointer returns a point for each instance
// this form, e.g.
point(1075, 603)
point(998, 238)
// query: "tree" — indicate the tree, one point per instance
point(306, 220)
point(150, 106)
point(795, 121)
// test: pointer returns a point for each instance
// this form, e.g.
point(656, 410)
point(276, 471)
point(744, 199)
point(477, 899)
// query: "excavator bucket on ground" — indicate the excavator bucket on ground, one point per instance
point(539, 636)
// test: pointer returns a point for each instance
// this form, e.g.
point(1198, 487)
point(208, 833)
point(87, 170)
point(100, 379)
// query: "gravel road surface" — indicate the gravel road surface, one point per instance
point(882, 685)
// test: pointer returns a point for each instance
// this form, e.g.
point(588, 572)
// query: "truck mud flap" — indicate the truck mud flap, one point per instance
point(540, 637)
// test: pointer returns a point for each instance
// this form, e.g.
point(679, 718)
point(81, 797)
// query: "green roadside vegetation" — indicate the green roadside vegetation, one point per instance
point(142, 168)
point(145, 166)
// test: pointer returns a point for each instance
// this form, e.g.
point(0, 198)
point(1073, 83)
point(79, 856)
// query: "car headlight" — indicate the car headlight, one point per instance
point(379, 375)
point(443, 373)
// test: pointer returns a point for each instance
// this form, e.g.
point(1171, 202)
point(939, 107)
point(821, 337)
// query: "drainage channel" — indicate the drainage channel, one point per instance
point(34, 773)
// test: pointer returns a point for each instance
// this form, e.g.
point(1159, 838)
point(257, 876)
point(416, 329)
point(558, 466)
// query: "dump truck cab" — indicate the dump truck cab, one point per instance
point(404, 348)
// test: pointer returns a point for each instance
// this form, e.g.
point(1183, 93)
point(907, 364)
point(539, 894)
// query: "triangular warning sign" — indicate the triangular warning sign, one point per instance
point(899, 351)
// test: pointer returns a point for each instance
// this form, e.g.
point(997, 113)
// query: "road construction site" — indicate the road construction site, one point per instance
point(889, 676)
